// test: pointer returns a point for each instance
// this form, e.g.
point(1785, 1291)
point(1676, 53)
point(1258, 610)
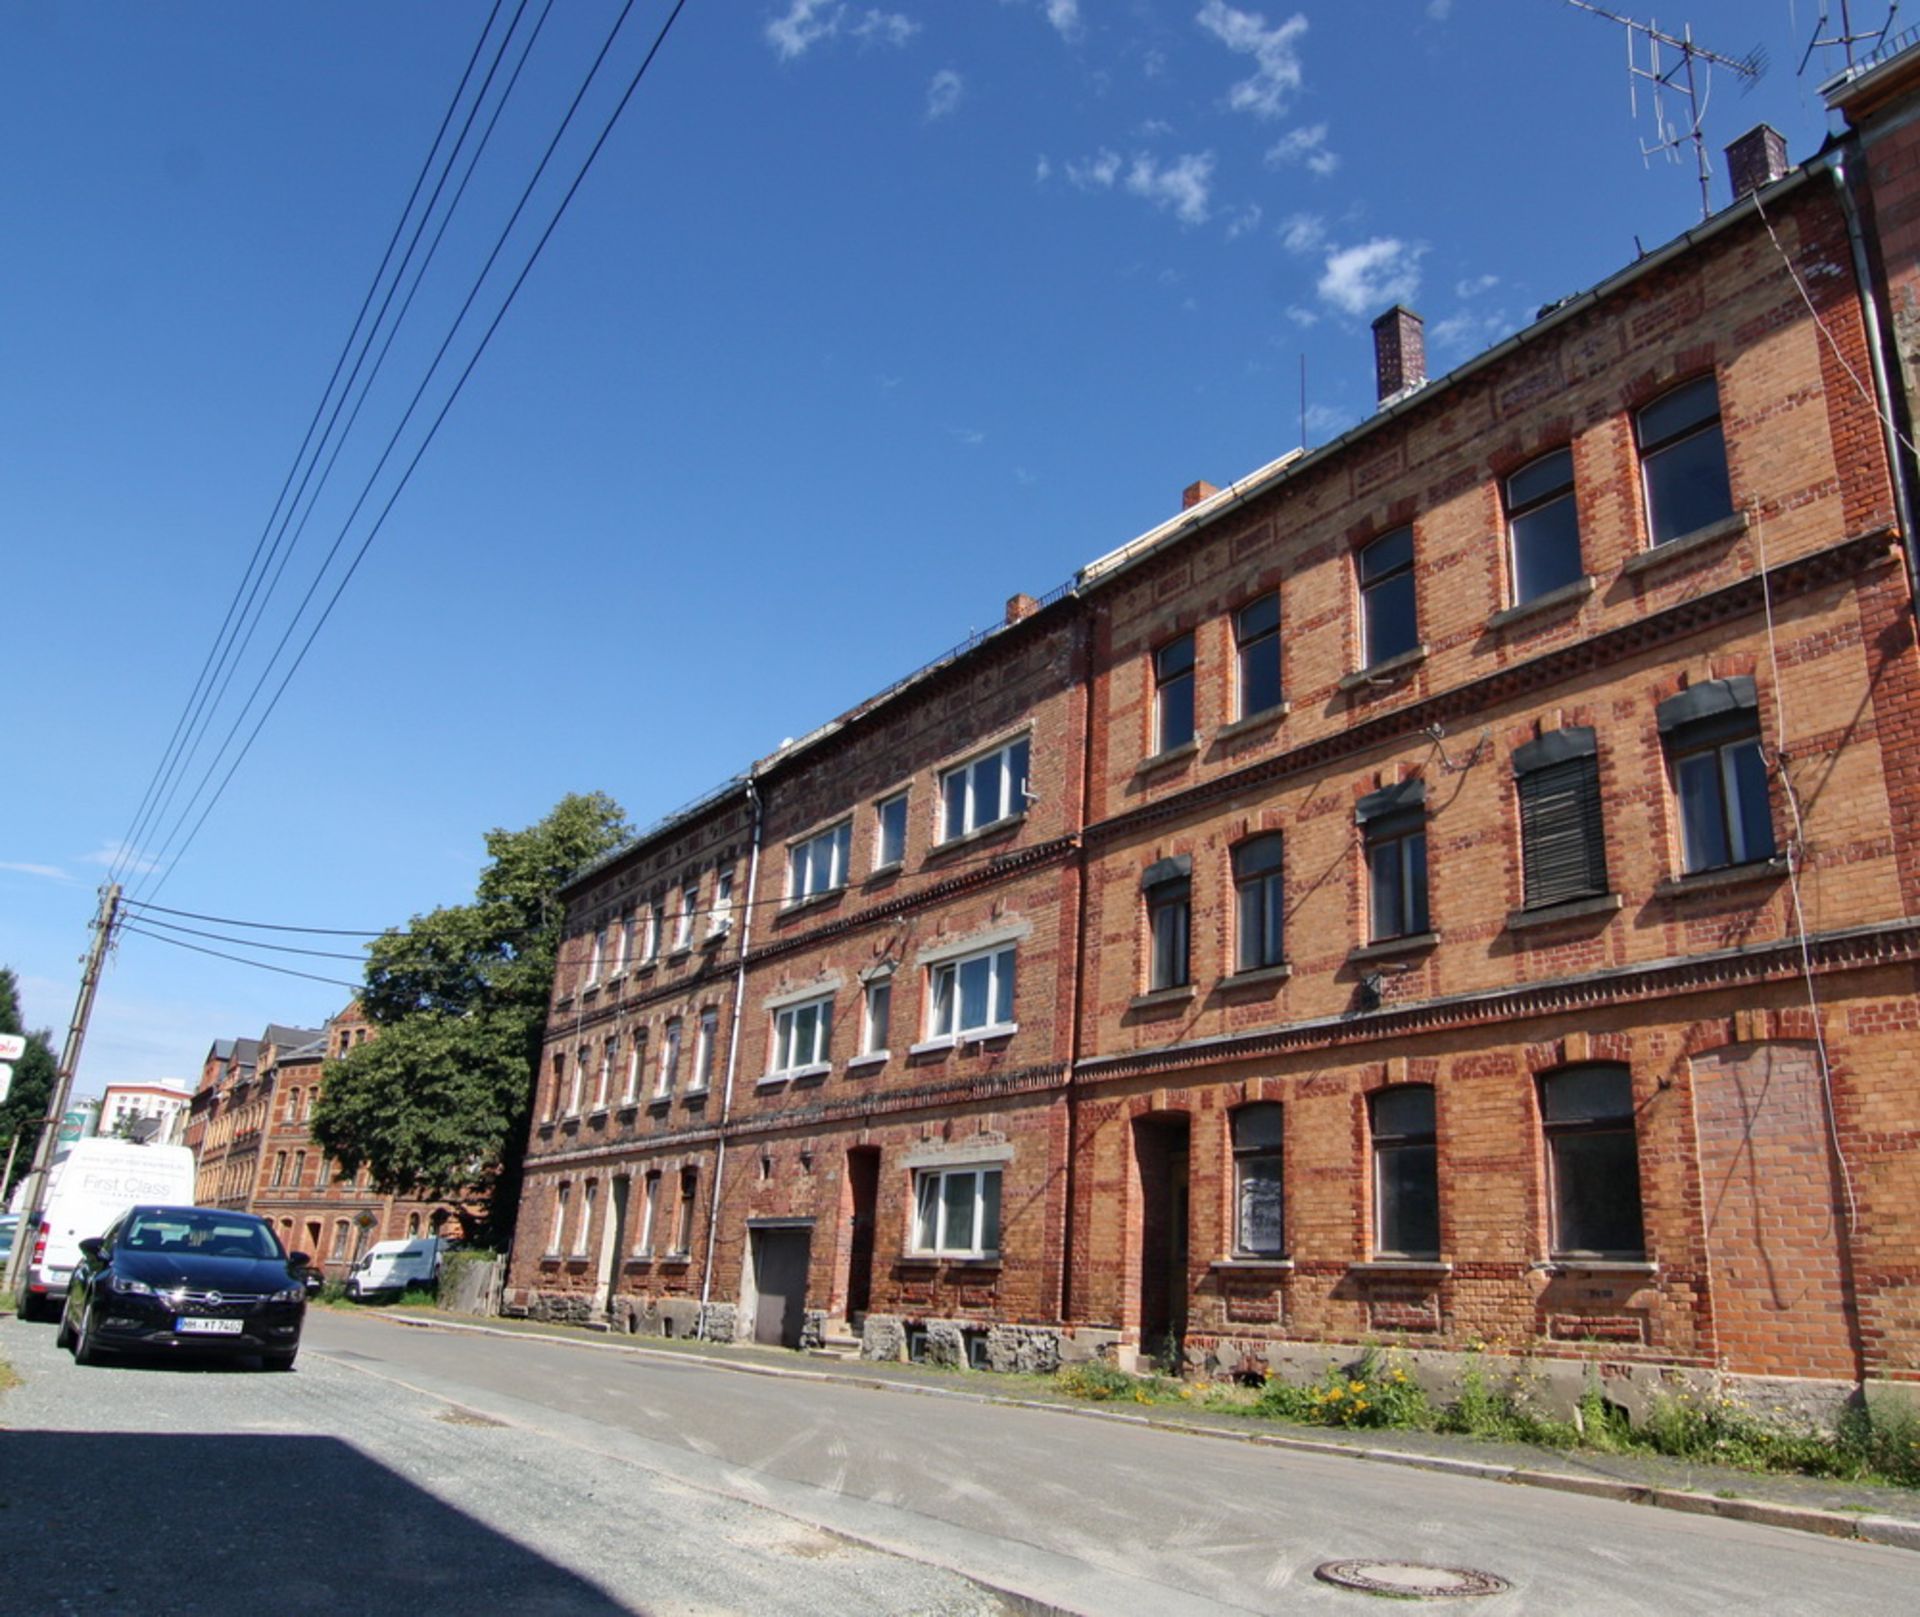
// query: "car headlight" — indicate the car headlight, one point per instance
point(129, 1287)
point(292, 1294)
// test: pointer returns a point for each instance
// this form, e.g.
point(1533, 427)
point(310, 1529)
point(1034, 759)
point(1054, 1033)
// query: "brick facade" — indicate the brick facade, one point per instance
point(1752, 1013)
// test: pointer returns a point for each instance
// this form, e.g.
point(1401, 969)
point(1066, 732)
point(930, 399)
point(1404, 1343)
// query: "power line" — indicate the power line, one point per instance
point(261, 926)
point(249, 943)
point(241, 960)
point(459, 384)
point(203, 682)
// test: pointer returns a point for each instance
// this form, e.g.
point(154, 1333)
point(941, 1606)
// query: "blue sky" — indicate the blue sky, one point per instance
point(866, 317)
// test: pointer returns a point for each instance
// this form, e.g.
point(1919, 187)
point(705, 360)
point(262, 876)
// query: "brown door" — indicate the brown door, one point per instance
point(863, 1182)
point(780, 1285)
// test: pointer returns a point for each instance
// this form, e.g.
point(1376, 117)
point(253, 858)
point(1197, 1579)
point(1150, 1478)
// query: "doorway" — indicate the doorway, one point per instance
point(613, 1237)
point(780, 1259)
point(1160, 1150)
point(863, 1190)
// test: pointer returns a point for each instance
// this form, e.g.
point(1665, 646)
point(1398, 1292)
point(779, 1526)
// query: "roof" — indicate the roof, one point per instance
point(288, 1038)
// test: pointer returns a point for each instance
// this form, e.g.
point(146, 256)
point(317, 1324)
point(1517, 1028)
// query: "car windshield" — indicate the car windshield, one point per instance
point(204, 1235)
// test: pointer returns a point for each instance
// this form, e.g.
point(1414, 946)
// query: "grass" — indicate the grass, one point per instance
point(9, 1377)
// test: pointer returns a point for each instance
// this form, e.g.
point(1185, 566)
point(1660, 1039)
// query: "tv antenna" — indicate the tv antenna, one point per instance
point(1847, 38)
point(1690, 78)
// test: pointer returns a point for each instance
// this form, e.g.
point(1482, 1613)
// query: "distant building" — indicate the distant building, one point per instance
point(155, 1112)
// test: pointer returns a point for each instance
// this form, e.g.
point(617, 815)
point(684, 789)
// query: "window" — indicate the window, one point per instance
point(819, 865)
point(578, 1092)
point(689, 907)
point(1543, 526)
point(1388, 625)
point(879, 1013)
point(1593, 1162)
point(609, 1054)
point(413, 1225)
point(1683, 461)
point(801, 1035)
point(890, 843)
point(1260, 904)
point(1259, 1222)
point(1173, 694)
point(972, 995)
point(585, 1220)
point(669, 1059)
point(559, 1217)
point(957, 1211)
point(340, 1233)
point(1256, 635)
point(1712, 736)
point(1406, 1173)
point(1168, 887)
point(597, 955)
point(559, 1085)
point(683, 1226)
point(1563, 844)
point(279, 1167)
point(984, 792)
point(650, 932)
point(649, 1205)
point(299, 1167)
point(623, 953)
point(722, 916)
point(703, 1042)
point(1394, 824)
point(636, 1059)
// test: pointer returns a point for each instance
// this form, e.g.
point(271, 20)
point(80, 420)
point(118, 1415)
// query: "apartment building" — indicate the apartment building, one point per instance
point(1457, 886)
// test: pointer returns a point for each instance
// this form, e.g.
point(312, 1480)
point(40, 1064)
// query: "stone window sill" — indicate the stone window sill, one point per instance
point(1401, 1266)
point(597, 1115)
point(1687, 544)
point(1154, 999)
point(813, 1069)
point(646, 968)
point(1387, 948)
point(1246, 1265)
point(1565, 595)
point(978, 834)
point(679, 951)
point(1630, 1267)
point(949, 1041)
point(1714, 881)
point(674, 1260)
point(1253, 721)
point(659, 1103)
point(716, 937)
point(987, 1260)
point(793, 906)
point(1166, 759)
point(886, 872)
point(873, 1058)
point(1388, 672)
point(1260, 977)
point(1576, 909)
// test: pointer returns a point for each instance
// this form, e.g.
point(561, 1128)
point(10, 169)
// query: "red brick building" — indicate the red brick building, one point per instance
point(1458, 886)
point(248, 1128)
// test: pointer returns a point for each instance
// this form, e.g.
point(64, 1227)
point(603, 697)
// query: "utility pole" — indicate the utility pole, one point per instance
point(103, 925)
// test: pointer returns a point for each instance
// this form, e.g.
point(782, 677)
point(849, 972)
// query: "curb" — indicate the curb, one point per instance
point(1892, 1531)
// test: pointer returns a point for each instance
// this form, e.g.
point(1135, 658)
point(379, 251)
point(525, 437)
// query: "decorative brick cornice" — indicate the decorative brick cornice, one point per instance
point(923, 1097)
point(1888, 943)
point(608, 1151)
point(1790, 579)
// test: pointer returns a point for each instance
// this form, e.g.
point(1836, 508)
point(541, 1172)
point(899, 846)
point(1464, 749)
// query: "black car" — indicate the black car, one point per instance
point(190, 1280)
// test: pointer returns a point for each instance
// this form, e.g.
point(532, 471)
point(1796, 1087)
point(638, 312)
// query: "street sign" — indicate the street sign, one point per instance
point(6, 1079)
point(12, 1046)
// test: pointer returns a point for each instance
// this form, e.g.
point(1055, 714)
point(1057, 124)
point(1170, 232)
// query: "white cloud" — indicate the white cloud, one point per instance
point(1248, 218)
point(1042, 170)
point(1364, 280)
point(109, 854)
point(1474, 285)
point(50, 872)
point(1303, 232)
point(1439, 10)
point(1096, 173)
point(943, 94)
point(1153, 128)
point(1305, 319)
point(972, 437)
point(1274, 51)
point(1183, 186)
point(1325, 420)
point(808, 22)
point(1065, 17)
point(1469, 331)
point(1307, 145)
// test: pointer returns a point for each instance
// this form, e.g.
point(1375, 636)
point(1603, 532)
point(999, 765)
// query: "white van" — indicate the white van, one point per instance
point(94, 1184)
point(389, 1267)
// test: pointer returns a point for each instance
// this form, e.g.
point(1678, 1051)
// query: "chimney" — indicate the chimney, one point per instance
point(1399, 352)
point(1021, 606)
point(1194, 493)
point(1757, 158)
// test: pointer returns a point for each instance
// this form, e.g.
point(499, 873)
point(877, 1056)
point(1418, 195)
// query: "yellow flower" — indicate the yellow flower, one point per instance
point(1359, 1404)
point(1356, 1387)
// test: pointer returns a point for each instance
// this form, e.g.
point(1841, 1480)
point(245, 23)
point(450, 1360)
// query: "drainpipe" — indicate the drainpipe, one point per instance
point(1067, 1301)
point(1882, 383)
point(733, 1049)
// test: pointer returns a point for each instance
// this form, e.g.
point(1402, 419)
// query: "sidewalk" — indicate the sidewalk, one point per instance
point(1804, 1504)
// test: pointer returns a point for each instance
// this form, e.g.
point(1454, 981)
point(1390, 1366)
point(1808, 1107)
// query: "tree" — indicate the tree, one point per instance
point(26, 1102)
point(436, 1105)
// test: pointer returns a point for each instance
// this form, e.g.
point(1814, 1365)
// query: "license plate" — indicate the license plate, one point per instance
point(186, 1325)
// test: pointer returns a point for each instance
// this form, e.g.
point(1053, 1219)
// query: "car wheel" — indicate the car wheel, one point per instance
point(29, 1307)
point(86, 1349)
point(278, 1361)
point(65, 1337)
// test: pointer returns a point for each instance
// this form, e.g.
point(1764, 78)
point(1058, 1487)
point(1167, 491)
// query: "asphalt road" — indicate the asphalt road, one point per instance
point(670, 1483)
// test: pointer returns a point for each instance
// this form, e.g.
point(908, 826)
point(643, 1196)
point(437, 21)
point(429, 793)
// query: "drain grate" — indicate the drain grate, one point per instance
point(1408, 1580)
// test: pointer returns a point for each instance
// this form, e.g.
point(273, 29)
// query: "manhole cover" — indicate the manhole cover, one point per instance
point(1408, 1580)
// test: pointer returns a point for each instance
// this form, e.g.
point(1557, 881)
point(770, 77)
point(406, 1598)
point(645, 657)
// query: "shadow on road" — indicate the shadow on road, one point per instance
point(119, 1522)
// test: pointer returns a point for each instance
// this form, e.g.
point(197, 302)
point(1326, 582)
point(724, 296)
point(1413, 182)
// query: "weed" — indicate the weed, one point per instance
point(1099, 1382)
point(1373, 1392)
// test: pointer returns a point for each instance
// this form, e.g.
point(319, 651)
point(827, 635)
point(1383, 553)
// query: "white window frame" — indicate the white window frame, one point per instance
point(683, 923)
point(882, 860)
point(943, 1024)
point(704, 1039)
point(669, 1059)
point(817, 865)
point(636, 1057)
point(560, 1196)
point(589, 1193)
point(875, 1031)
point(649, 1207)
point(623, 953)
point(609, 1051)
point(784, 1047)
point(720, 918)
point(650, 939)
point(597, 955)
point(1015, 794)
point(930, 1200)
point(577, 1090)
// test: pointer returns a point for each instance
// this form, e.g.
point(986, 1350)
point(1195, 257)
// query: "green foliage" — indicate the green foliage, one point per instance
point(419, 1297)
point(33, 1073)
point(1374, 1392)
point(1484, 1410)
point(436, 1106)
point(1099, 1382)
